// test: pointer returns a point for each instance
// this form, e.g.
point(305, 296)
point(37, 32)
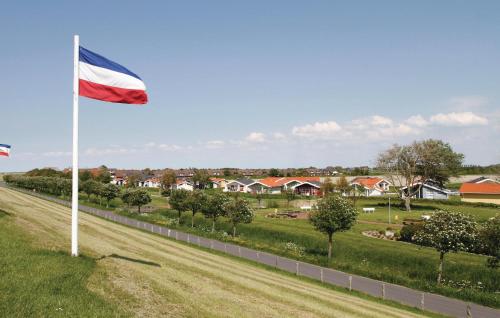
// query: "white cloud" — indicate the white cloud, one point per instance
point(463, 103)
point(109, 151)
point(256, 137)
point(279, 136)
point(318, 130)
point(381, 121)
point(166, 147)
point(214, 144)
point(458, 119)
point(57, 153)
point(417, 121)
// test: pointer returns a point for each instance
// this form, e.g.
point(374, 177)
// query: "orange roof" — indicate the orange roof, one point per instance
point(367, 182)
point(279, 181)
point(486, 188)
point(217, 179)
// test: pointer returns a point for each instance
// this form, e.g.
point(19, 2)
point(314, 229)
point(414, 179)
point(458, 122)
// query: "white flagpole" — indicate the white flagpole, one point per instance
point(74, 195)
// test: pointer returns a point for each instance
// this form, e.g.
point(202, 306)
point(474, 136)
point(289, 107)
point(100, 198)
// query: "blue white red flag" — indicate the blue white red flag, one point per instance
point(102, 79)
point(4, 150)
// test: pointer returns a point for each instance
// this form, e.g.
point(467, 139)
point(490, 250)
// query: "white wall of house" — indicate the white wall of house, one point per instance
point(184, 186)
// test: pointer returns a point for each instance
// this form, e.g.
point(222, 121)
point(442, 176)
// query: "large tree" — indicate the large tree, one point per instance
point(139, 198)
point(420, 161)
point(327, 187)
point(90, 187)
point(168, 178)
point(196, 200)
point(178, 201)
point(490, 239)
point(333, 214)
point(343, 185)
point(201, 178)
point(448, 232)
point(214, 207)
point(238, 211)
point(109, 192)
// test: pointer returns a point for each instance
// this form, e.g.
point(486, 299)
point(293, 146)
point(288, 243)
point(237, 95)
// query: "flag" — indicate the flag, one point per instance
point(102, 79)
point(4, 150)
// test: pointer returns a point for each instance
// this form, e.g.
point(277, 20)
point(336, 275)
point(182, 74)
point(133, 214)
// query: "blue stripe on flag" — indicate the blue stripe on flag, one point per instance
point(95, 59)
point(6, 146)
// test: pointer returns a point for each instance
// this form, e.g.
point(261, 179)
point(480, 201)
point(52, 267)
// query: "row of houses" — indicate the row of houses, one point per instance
point(480, 189)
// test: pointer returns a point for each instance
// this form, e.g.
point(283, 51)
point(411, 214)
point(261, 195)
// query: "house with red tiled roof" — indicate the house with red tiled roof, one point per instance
point(486, 192)
point(218, 183)
point(302, 185)
point(371, 186)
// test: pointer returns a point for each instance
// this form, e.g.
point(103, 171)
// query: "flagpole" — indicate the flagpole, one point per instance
point(74, 194)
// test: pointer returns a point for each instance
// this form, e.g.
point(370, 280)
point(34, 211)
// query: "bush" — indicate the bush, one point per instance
point(408, 231)
point(272, 204)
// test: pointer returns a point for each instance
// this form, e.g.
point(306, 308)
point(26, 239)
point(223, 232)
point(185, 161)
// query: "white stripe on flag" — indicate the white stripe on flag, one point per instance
point(103, 76)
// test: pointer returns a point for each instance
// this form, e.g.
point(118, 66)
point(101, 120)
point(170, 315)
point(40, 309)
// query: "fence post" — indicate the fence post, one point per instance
point(297, 268)
point(258, 255)
point(422, 301)
point(188, 239)
point(239, 251)
point(212, 244)
point(321, 275)
point(199, 244)
point(276, 263)
point(225, 247)
point(383, 291)
point(350, 283)
point(177, 235)
point(168, 232)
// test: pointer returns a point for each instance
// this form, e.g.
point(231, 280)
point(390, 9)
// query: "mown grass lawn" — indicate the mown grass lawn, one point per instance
point(42, 283)
point(390, 261)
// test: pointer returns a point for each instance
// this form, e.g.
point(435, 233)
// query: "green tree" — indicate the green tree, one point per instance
point(90, 187)
point(196, 200)
point(109, 192)
point(327, 187)
point(201, 178)
point(422, 161)
point(490, 239)
point(289, 196)
point(238, 211)
point(227, 172)
point(273, 172)
point(343, 186)
point(126, 197)
point(333, 214)
point(448, 232)
point(103, 175)
point(139, 198)
point(168, 178)
point(179, 201)
point(132, 181)
point(214, 207)
point(85, 175)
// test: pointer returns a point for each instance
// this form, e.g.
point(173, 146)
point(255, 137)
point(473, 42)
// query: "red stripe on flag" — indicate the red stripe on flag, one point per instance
point(6, 154)
point(112, 94)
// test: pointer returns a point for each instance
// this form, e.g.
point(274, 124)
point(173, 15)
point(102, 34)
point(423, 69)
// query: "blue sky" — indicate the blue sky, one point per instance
point(253, 83)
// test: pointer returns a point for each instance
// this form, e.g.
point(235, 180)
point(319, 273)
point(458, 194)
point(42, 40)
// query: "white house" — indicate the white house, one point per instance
point(371, 186)
point(184, 185)
point(240, 185)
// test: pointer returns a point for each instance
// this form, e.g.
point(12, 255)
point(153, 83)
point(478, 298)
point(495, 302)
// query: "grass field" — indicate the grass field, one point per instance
point(38, 282)
point(149, 276)
point(395, 262)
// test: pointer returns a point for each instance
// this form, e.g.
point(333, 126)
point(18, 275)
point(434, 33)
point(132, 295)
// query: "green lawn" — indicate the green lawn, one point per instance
point(396, 262)
point(41, 283)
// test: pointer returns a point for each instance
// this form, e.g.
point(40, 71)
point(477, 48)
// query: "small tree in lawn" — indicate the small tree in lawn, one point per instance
point(196, 200)
point(109, 192)
point(179, 201)
point(333, 214)
point(289, 196)
point(259, 196)
point(89, 187)
point(214, 207)
point(139, 198)
point(490, 239)
point(448, 232)
point(327, 187)
point(343, 185)
point(167, 179)
point(126, 197)
point(238, 211)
